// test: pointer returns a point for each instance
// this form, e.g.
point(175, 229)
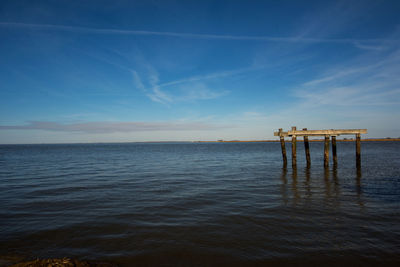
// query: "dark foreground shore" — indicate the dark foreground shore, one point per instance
point(154, 261)
point(15, 261)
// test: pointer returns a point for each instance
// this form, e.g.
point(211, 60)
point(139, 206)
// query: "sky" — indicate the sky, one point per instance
point(131, 71)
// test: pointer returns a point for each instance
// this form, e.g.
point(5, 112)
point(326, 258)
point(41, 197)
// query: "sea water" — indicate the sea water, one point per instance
point(200, 204)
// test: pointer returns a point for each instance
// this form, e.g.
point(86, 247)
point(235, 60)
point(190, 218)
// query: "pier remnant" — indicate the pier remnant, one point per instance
point(307, 149)
point(282, 139)
point(334, 154)
point(327, 134)
point(326, 151)
point(358, 150)
point(294, 148)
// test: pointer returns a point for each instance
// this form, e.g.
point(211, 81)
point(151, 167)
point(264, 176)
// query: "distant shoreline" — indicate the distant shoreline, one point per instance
point(300, 139)
point(216, 141)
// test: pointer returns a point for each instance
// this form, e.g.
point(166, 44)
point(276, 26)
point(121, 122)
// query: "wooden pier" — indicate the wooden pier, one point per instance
point(327, 134)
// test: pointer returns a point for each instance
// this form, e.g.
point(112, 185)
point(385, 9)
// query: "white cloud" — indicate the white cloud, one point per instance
point(370, 80)
point(159, 96)
point(209, 76)
point(198, 91)
point(152, 88)
point(113, 127)
point(369, 47)
point(362, 43)
point(186, 89)
point(137, 81)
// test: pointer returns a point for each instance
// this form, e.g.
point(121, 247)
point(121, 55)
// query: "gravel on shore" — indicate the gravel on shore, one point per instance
point(64, 262)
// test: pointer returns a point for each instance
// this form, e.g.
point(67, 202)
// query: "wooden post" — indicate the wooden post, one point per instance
point(326, 151)
point(327, 134)
point(334, 154)
point(358, 150)
point(294, 145)
point(307, 149)
point(282, 139)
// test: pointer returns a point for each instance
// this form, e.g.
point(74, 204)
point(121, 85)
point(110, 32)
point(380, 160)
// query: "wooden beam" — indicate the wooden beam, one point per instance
point(281, 133)
point(321, 132)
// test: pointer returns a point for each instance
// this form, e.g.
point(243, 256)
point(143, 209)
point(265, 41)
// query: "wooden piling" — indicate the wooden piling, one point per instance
point(294, 146)
point(327, 133)
point(358, 150)
point(307, 149)
point(326, 151)
point(334, 154)
point(282, 139)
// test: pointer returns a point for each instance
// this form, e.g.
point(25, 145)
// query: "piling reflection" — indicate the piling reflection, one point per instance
point(327, 184)
point(359, 186)
point(307, 186)
point(284, 185)
point(336, 185)
point(358, 181)
point(295, 190)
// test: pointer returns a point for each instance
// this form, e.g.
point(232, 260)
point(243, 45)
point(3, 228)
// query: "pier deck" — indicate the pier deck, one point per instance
point(293, 133)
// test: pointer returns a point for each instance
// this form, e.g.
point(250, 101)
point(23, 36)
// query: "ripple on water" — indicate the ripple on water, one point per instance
point(209, 203)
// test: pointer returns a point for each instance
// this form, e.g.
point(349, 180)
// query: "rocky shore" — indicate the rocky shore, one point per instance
point(64, 262)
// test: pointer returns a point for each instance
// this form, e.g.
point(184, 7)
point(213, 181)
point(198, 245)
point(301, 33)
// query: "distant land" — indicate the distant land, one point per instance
point(288, 140)
point(300, 139)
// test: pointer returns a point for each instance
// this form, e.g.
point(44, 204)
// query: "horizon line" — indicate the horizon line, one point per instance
point(369, 139)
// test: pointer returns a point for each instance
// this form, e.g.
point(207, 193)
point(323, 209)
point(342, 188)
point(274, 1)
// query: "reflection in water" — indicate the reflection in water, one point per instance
point(359, 175)
point(359, 186)
point(294, 186)
point(184, 203)
point(307, 182)
point(327, 184)
point(336, 188)
point(358, 182)
point(284, 185)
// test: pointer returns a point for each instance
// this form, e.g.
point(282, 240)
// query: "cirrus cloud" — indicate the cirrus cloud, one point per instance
point(112, 127)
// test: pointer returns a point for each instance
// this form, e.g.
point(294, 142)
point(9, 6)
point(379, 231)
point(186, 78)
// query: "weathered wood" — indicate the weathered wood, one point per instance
point(294, 146)
point(321, 132)
point(307, 149)
point(326, 151)
point(334, 154)
point(327, 134)
point(282, 139)
point(358, 150)
point(281, 133)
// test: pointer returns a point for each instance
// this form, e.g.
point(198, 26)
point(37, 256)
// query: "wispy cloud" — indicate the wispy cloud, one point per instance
point(367, 81)
point(362, 43)
point(159, 96)
point(199, 91)
point(152, 87)
point(186, 89)
point(378, 47)
point(215, 75)
point(137, 81)
point(113, 127)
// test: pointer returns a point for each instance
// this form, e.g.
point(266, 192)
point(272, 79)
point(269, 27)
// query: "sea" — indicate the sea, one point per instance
point(201, 204)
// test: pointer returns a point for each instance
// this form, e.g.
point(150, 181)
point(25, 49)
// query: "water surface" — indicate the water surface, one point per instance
point(200, 204)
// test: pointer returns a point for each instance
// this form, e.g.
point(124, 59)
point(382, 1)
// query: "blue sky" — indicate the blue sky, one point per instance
point(116, 71)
